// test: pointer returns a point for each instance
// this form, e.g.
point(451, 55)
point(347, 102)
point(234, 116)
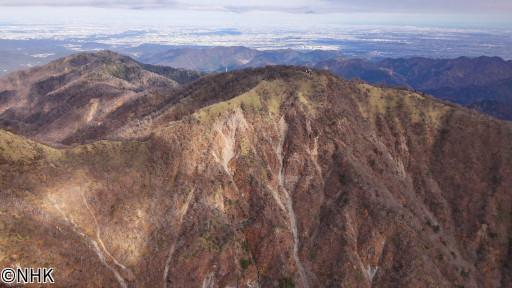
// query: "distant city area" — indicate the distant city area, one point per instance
point(23, 46)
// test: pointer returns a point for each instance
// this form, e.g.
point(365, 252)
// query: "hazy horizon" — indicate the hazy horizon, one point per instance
point(365, 29)
point(301, 14)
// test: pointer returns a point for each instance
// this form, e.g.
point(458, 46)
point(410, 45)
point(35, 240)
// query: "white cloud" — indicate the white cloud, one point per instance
point(318, 6)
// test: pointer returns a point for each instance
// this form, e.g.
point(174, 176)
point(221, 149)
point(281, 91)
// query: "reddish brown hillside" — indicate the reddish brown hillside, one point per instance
point(275, 177)
point(52, 102)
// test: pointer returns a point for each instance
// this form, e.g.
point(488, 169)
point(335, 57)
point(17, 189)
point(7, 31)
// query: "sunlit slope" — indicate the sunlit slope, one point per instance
point(277, 176)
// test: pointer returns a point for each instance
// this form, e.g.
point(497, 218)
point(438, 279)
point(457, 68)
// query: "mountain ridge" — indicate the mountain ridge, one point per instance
point(52, 102)
point(429, 75)
point(457, 80)
point(274, 177)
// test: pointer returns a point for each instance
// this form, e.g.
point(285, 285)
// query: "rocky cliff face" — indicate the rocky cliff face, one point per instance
point(274, 177)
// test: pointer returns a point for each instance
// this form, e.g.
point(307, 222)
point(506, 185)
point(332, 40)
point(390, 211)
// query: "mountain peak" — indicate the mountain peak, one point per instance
point(277, 176)
point(56, 100)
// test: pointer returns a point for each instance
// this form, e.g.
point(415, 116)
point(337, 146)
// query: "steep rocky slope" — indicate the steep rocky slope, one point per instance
point(274, 177)
point(55, 101)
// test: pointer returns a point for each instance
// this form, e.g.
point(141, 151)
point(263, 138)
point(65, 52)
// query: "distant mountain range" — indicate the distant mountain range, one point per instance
point(481, 83)
point(260, 177)
point(218, 59)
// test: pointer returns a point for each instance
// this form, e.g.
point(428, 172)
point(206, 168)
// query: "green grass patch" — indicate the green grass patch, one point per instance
point(245, 263)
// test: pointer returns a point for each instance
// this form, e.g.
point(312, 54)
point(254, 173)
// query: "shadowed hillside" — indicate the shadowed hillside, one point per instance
point(54, 101)
point(481, 83)
point(272, 177)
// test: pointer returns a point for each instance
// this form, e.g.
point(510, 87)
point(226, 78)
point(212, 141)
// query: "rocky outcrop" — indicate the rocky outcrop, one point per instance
point(274, 177)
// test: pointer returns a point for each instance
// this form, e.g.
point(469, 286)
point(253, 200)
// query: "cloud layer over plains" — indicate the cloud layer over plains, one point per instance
point(298, 6)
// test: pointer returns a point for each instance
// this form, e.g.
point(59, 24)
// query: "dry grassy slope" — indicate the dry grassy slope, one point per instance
point(53, 102)
point(290, 178)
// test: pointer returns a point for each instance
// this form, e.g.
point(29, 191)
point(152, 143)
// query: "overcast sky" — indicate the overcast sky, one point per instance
point(319, 6)
point(414, 12)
